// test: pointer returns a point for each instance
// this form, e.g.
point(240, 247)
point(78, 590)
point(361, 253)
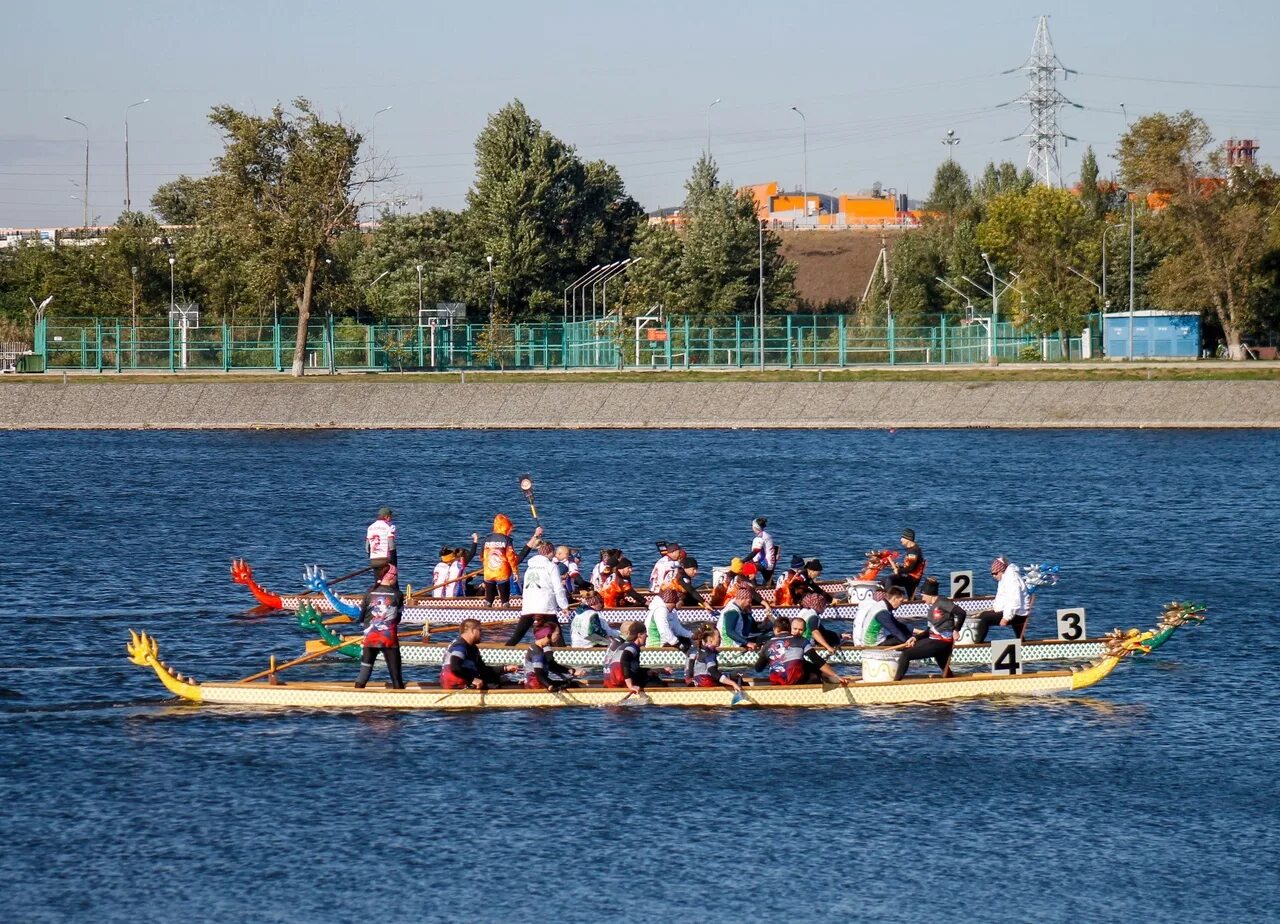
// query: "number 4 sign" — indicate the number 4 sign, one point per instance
point(1006, 656)
point(1071, 625)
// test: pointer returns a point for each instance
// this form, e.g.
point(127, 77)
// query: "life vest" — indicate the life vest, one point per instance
point(500, 559)
point(704, 667)
point(587, 628)
point(535, 660)
point(732, 623)
point(786, 659)
point(719, 594)
point(785, 595)
point(613, 590)
point(613, 673)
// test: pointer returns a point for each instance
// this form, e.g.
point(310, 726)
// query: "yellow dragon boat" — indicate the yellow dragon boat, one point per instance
point(143, 651)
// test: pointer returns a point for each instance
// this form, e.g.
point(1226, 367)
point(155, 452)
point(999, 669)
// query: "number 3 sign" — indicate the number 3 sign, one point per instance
point(1071, 624)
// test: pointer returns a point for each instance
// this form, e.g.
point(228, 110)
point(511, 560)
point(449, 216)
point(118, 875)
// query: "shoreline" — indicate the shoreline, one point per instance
point(387, 403)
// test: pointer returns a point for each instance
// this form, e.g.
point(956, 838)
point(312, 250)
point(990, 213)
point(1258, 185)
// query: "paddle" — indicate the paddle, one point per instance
point(526, 488)
point(415, 594)
point(274, 668)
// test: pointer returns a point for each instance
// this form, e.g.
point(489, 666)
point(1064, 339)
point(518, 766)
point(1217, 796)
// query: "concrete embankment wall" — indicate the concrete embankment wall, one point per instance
point(354, 404)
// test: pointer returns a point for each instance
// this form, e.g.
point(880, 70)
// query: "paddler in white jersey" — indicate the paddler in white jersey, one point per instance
point(380, 540)
point(666, 567)
point(764, 551)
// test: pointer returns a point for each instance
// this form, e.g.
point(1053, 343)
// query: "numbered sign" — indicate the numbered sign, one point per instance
point(961, 584)
point(1071, 625)
point(1006, 656)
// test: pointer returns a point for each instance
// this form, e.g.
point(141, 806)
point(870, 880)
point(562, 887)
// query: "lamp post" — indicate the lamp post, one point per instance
point(172, 306)
point(709, 108)
point(128, 199)
point(1131, 277)
point(419, 291)
point(804, 134)
point(373, 153)
point(950, 141)
point(85, 200)
point(760, 223)
point(493, 286)
point(133, 294)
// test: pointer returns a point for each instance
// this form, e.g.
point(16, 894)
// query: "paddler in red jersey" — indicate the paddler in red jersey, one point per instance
point(622, 661)
point(464, 667)
point(380, 616)
point(792, 659)
point(500, 560)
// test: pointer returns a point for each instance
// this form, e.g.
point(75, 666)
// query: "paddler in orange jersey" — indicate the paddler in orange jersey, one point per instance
point(908, 571)
point(722, 592)
point(500, 560)
point(682, 582)
point(788, 592)
point(618, 590)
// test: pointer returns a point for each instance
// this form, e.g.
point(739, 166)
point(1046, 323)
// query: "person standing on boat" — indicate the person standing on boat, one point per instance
point(380, 540)
point(543, 672)
point(500, 560)
point(875, 624)
point(663, 624)
point(703, 667)
point(908, 570)
point(622, 661)
point(442, 574)
point(792, 659)
point(1010, 607)
point(618, 590)
point(938, 638)
point(764, 551)
point(464, 667)
point(588, 628)
point(380, 616)
point(543, 599)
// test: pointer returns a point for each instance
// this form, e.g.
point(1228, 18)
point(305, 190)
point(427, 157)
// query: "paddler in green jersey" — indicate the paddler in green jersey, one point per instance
point(875, 624)
point(588, 628)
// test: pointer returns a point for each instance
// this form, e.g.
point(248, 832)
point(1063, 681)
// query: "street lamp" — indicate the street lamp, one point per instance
point(373, 153)
point(133, 293)
point(709, 107)
point(760, 228)
point(172, 306)
point(85, 200)
point(493, 287)
point(419, 290)
point(805, 140)
point(128, 200)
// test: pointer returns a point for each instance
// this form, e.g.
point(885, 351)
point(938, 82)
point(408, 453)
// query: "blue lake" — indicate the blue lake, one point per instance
point(1153, 795)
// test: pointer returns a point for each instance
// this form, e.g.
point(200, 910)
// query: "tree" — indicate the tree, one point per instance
point(1091, 195)
point(541, 213)
point(282, 191)
point(1047, 237)
point(951, 192)
point(1218, 225)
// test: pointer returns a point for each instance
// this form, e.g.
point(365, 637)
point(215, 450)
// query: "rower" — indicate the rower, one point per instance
point(809, 582)
point(662, 623)
point(380, 615)
point(910, 568)
point(683, 579)
point(543, 599)
point(380, 540)
point(812, 607)
point(792, 659)
point(463, 665)
point(938, 638)
point(703, 667)
point(735, 623)
point(587, 628)
point(875, 624)
point(666, 566)
point(501, 562)
point(457, 574)
point(1010, 607)
point(570, 565)
point(788, 585)
point(622, 661)
point(604, 568)
point(543, 672)
point(764, 551)
point(618, 590)
point(723, 592)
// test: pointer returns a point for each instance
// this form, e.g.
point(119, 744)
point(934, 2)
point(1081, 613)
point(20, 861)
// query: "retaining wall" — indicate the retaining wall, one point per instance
point(346, 404)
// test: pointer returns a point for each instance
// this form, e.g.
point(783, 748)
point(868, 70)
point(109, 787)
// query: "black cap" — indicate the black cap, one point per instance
point(688, 562)
point(909, 533)
point(813, 564)
point(622, 563)
point(929, 586)
point(797, 562)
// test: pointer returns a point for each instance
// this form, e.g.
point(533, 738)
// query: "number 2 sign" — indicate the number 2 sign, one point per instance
point(961, 584)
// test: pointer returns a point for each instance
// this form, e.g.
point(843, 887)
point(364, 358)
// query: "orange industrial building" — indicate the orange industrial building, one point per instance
point(783, 209)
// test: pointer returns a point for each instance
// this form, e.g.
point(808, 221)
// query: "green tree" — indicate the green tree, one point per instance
point(1217, 225)
point(951, 194)
point(1091, 196)
point(1047, 237)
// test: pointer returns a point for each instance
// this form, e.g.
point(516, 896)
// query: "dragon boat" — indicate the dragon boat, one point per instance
point(143, 650)
point(450, 610)
point(413, 651)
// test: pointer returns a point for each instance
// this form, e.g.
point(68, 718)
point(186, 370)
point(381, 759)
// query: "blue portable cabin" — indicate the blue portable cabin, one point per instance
point(1156, 334)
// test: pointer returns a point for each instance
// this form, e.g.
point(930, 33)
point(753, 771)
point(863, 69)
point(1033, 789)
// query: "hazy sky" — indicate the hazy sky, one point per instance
point(628, 82)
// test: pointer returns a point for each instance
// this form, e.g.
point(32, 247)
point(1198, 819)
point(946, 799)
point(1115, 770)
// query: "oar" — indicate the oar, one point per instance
point(426, 590)
point(526, 488)
point(274, 668)
point(345, 577)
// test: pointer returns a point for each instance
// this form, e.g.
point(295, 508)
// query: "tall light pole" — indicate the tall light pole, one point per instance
point(128, 199)
point(709, 108)
point(760, 222)
point(373, 153)
point(133, 293)
point(995, 305)
point(419, 291)
point(950, 141)
point(172, 306)
point(493, 286)
point(805, 140)
point(1130, 197)
point(85, 200)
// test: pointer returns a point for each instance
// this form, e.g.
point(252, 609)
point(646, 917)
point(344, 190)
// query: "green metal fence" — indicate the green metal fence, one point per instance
point(789, 341)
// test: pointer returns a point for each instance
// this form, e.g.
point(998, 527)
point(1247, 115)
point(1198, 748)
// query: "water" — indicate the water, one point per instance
point(1153, 795)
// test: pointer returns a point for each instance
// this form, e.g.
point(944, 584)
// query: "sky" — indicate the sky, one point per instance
point(631, 83)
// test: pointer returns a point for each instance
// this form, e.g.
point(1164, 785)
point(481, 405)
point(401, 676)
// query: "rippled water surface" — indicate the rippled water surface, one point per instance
point(1152, 797)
